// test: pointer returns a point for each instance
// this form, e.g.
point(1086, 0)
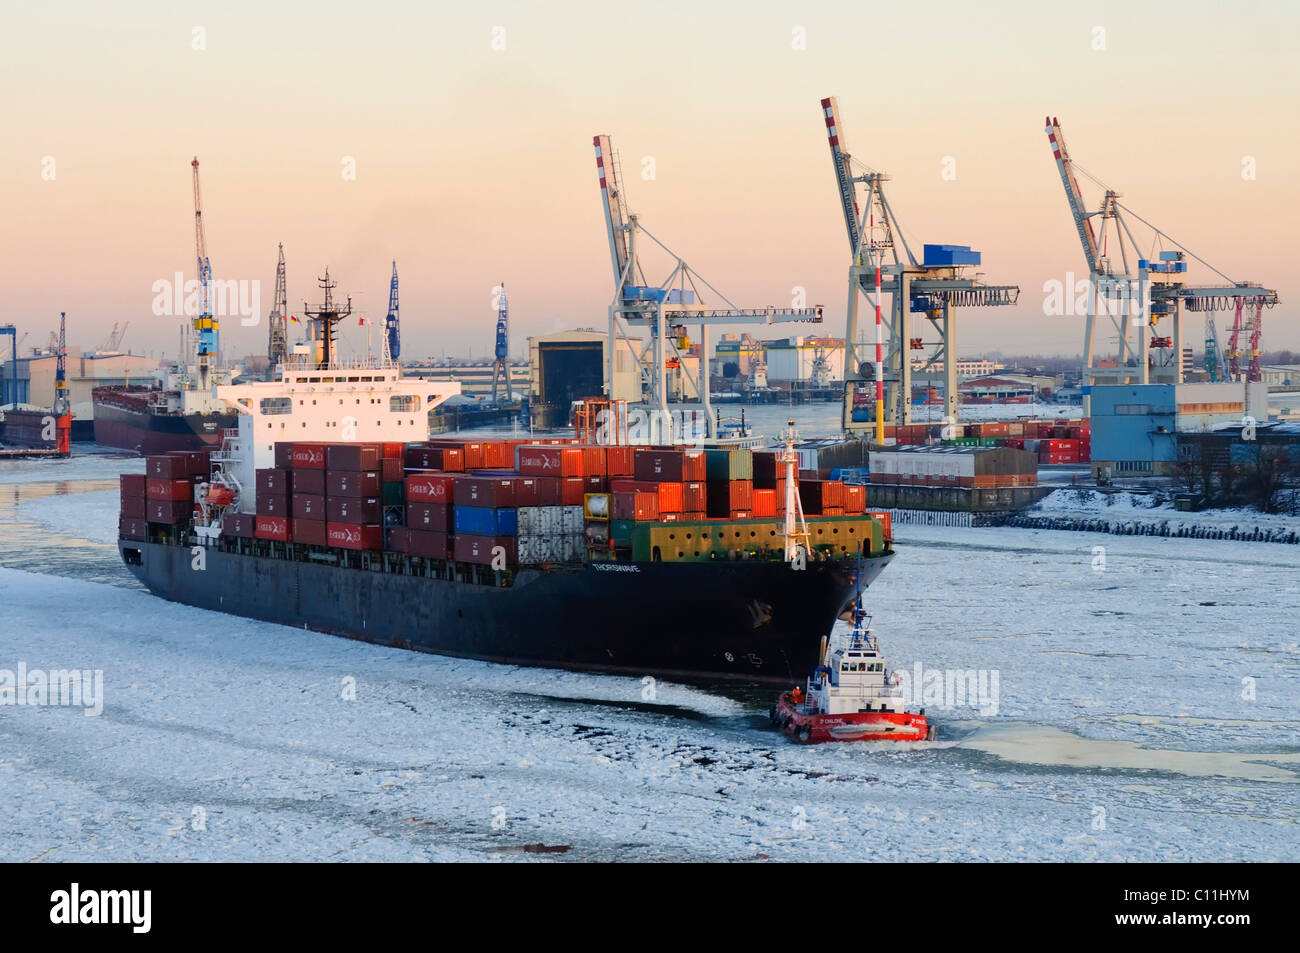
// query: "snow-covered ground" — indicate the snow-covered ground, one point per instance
point(1148, 709)
point(1137, 507)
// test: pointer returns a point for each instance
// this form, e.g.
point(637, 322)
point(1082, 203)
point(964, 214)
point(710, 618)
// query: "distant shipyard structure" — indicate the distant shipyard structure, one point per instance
point(1136, 291)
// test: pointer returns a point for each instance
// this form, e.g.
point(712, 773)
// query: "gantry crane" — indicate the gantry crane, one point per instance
point(667, 308)
point(62, 407)
point(1146, 285)
point(501, 350)
point(277, 324)
point(206, 325)
point(933, 287)
point(392, 322)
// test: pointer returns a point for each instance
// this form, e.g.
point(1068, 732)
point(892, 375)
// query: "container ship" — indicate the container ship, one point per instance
point(328, 507)
point(171, 415)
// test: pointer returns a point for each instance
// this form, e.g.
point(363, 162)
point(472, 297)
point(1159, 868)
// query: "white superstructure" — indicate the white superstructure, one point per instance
point(349, 402)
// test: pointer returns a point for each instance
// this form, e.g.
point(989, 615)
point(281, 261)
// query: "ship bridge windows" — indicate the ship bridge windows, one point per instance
point(403, 403)
point(276, 405)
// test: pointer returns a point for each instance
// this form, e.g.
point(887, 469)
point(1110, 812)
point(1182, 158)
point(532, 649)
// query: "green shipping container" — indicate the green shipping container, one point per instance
point(621, 531)
point(727, 465)
point(393, 494)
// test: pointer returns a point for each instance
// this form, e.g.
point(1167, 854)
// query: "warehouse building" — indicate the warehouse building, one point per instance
point(1134, 427)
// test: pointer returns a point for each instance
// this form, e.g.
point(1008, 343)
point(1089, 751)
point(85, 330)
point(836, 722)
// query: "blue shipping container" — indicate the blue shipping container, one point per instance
point(486, 521)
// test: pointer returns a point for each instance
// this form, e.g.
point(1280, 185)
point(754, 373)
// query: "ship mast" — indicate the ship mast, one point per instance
point(796, 535)
point(327, 317)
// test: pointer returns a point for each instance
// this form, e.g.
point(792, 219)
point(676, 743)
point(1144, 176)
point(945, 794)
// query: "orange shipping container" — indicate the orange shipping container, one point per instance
point(765, 503)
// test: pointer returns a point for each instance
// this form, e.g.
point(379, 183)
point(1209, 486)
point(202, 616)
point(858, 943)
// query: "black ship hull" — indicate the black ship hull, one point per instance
point(147, 432)
point(752, 621)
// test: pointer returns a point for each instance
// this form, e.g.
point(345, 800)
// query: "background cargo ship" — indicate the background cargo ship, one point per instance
point(171, 415)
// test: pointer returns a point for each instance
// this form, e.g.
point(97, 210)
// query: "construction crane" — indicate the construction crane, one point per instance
point(205, 323)
point(113, 343)
point(277, 323)
point(392, 323)
point(665, 309)
point(1146, 285)
point(62, 407)
point(500, 367)
point(932, 287)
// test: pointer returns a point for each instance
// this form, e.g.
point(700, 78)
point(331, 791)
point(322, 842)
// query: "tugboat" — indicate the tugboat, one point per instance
point(851, 696)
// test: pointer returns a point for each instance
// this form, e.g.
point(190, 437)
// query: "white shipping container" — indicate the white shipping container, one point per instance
point(573, 519)
point(530, 520)
point(552, 523)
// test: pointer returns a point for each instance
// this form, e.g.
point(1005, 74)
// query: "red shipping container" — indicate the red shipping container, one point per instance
point(855, 500)
point(346, 509)
point(421, 457)
point(572, 491)
point(197, 461)
point(308, 506)
point(135, 506)
point(429, 487)
point(272, 527)
point(595, 461)
point(355, 535)
point(273, 481)
point(672, 498)
point(168, 511)
point(354, 456)
point(620, 461)
point(308, 456)
point(499, 455)
point(596, 483)
point(132, 528)
point(167, 467)
point(695, 496)
point(159, 489)
point(353, 484)
point(391, 470)
point(238, 524)
point(429, 516)
point(674, 466)
point(741, 514)
point(484, 491)
point(532, 460)
point(283, 455)
point(394, 451)
point(310, 532)
point(527, 491)
point(309, 481)
point(431, 545)
point(132, 484)
point(765, 503)
point(626, 485)
point(636, 506)
point(273, 504)
point(550, 491)
point(484, 549)
point(471, 452)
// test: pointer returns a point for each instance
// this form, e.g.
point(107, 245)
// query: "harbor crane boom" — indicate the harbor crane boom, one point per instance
point(205, 323)
point(1146, 283)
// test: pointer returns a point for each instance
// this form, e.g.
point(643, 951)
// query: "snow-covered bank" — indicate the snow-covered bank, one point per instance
point(1146, 514)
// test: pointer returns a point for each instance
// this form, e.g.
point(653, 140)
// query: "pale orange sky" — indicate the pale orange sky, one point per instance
point(475, 165)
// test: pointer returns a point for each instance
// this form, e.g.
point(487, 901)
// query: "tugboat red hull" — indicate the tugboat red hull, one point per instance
point(859, 726)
